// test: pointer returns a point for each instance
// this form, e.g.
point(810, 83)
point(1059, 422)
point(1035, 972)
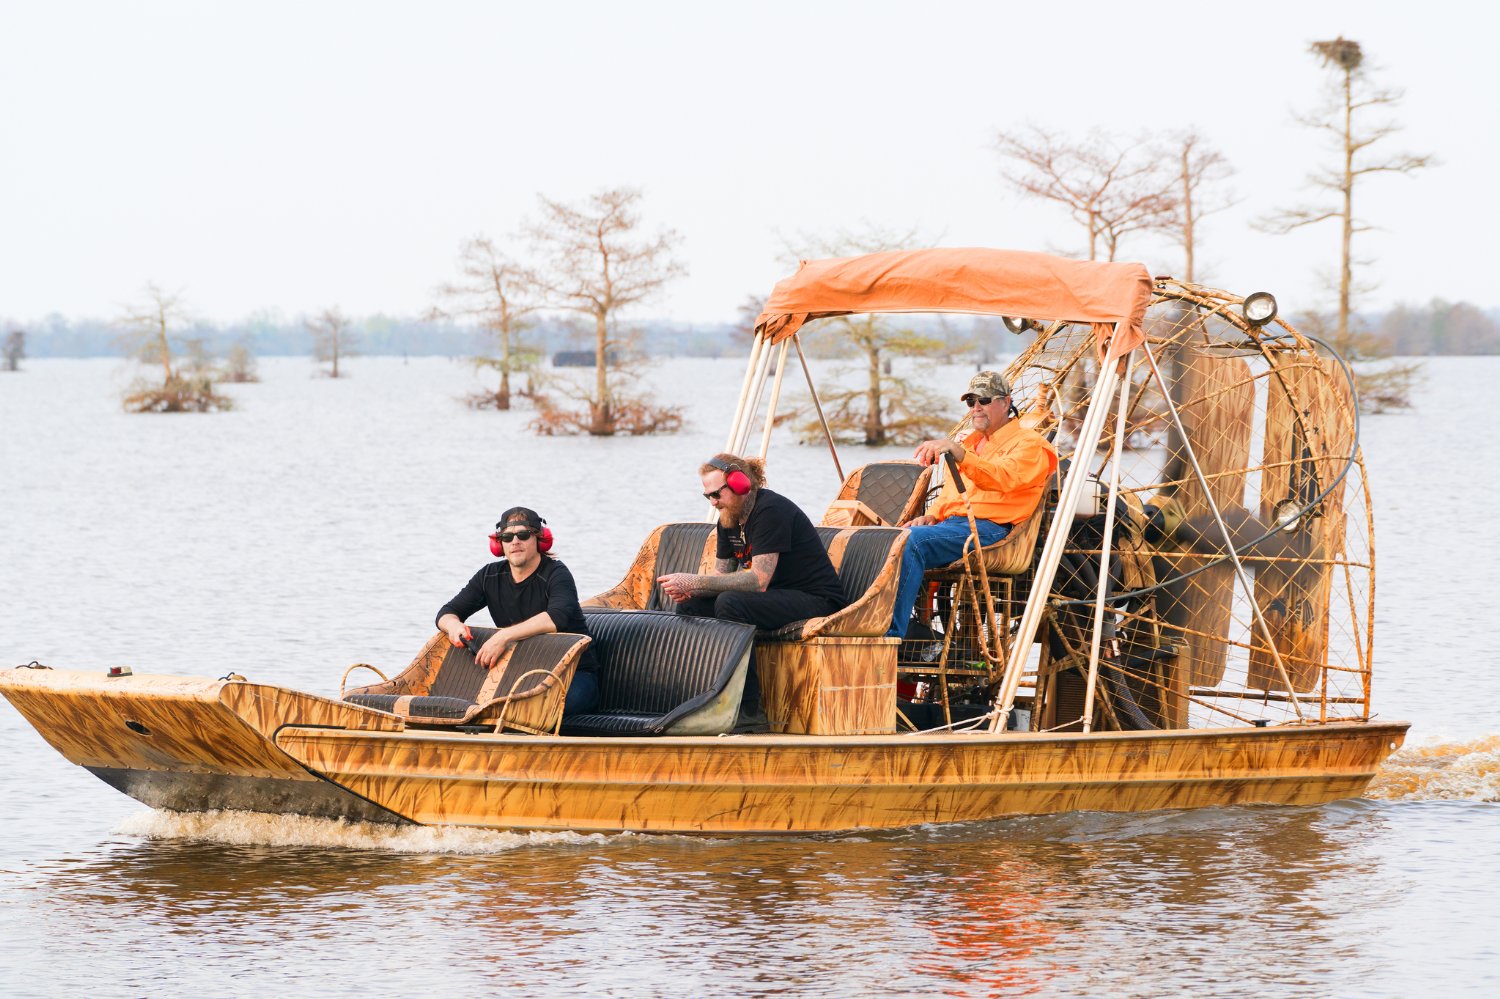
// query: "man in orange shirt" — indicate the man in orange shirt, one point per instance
point(1005, 467)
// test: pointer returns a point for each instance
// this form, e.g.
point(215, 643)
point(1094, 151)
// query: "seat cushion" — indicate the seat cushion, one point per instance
point(863, 557)
point(611, 723)
point(416, 707)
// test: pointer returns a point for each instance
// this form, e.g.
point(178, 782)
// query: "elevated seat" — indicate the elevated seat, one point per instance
point(1012, 555)
point(958, 586)
point(444, 685)
point(670, 548)
point(868, 561)
point(662, 673)
point(836, 675)
point(880, 494)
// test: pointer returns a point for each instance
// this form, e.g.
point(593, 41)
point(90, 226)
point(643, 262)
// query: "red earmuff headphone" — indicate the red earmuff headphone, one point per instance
point(738, 482)
point(543, 537)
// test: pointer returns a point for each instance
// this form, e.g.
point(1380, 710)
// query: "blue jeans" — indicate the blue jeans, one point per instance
point(932, 547)
point(583, 694)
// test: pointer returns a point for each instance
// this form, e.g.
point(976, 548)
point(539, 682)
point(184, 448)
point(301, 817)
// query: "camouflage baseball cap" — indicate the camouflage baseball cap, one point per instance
point(987, 383)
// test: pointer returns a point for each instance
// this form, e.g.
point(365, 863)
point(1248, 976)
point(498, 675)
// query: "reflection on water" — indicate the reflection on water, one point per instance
point(313, 528)
point(1079, 904)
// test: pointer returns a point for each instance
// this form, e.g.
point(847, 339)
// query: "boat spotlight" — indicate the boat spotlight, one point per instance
point(1259, 308)
point(1287, 515)
point(1017, 325)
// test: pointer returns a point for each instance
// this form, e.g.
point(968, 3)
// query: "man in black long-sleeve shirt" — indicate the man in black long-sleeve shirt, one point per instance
point(528, 593)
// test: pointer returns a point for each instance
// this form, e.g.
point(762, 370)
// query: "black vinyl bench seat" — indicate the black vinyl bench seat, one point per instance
point(662, 673)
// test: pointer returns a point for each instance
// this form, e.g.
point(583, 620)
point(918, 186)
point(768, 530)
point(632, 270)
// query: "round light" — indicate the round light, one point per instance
point(1017, 325)
point(1287, 515)
point(1259, 308)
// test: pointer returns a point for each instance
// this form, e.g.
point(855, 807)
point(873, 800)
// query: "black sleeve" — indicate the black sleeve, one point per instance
point(562, 599)
point(725, 548)
point(771, 533)
point(467, 600)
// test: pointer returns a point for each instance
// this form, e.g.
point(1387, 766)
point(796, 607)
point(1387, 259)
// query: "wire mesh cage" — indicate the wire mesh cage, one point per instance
point(1239, 583)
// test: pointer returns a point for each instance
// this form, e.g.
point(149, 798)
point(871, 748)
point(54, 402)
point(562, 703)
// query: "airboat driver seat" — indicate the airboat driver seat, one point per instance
point(444, 685)
point(952, 593)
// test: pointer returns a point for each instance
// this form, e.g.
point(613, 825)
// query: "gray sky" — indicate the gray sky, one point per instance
point(294, 156)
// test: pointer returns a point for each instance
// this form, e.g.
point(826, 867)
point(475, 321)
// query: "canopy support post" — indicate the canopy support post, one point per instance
point(818, 404)
point(1104, 550)
point(739, 409)
point(765, 437)
point(1057, 537)
point(752, 405)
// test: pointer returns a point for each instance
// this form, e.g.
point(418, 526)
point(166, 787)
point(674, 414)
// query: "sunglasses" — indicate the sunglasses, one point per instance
point(510, 536)
point(716, 493)
point(983, 400)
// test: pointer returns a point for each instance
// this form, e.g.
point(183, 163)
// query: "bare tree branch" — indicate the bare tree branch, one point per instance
point(1110, 187)
point(1350, 100)
point(495, 291)
point(332, 338)
point(593, 260)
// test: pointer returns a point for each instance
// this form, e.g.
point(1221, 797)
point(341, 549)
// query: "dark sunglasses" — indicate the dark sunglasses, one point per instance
point(716, 493)
point(983, 400)
point(510, 536)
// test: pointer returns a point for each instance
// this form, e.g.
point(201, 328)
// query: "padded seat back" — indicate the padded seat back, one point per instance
point(669, 548)
point(859, 555)
point(680, 549)
point(1014, 554)
point(458, 674)
point(444, 685)
point(894, 491)
point(868, 561)
point(663, 672)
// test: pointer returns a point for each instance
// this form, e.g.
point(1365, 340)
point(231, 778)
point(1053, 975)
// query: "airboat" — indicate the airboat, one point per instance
point(1185, 620)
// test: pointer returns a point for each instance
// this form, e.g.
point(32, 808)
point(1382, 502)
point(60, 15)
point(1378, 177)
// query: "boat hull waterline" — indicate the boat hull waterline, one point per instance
point(200, 745)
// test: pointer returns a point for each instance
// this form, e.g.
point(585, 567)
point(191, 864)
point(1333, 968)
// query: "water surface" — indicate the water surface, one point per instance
point(323, 523)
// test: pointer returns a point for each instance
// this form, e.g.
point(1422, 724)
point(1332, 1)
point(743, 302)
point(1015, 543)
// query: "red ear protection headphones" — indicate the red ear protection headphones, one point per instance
point(543, 537)
point(738, 482)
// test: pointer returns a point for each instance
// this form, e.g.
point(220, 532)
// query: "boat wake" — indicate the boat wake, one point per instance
point(1449, 771)
point(259, 829)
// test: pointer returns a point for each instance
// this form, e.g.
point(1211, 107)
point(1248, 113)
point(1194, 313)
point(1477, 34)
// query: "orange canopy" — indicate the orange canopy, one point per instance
point(1111, 297)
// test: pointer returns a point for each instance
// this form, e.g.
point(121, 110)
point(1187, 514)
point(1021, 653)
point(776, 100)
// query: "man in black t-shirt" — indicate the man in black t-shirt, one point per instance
point(771, 569)
point(528, 592)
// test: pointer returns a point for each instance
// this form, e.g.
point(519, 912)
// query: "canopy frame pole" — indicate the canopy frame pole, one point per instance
point(1239, 568)
point(757, 389)
point(818, 404)
point(1057, 536)
point(1104, 550)
point(739, 409)
point(765, 437)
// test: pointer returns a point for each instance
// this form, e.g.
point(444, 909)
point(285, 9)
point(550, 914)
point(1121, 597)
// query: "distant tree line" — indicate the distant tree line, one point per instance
point(379, 335)
point(1434, 329)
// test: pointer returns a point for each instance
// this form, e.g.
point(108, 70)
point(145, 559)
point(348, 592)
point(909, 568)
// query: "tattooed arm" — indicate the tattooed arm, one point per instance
point(681, 586)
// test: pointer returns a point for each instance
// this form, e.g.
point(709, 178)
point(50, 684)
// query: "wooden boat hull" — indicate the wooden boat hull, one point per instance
point(198, 745)
point(189, 744)
point(801, 784)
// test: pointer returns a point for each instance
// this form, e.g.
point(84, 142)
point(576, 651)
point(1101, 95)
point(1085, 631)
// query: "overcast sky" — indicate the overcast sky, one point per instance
point(294, 156)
